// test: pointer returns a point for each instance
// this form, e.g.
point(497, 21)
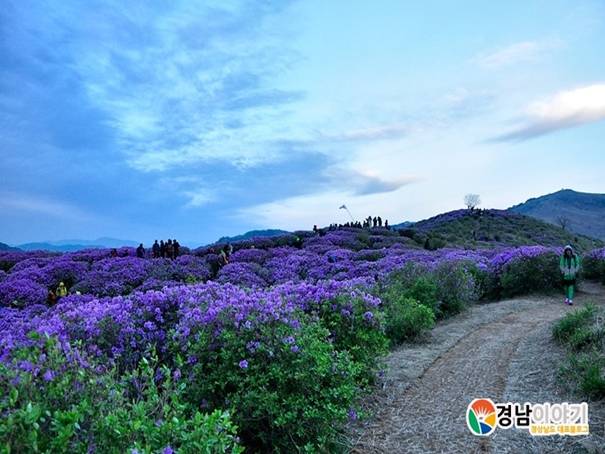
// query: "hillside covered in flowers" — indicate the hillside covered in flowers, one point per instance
point(271, 350)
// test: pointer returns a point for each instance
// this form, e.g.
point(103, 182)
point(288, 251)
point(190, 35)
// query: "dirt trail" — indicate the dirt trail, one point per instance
point(503, 351)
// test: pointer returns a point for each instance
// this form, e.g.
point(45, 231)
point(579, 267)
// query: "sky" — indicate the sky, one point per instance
point(197, 119)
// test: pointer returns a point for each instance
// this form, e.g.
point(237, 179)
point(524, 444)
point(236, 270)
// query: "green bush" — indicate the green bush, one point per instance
point(292, 392)
point(531, 274)
point(56, 400)
point(593, 266)
point(486, 283)
point(585, 373)
point(406, 319)
point(574, 321)
point(584, 369)
point(411, 282)
point(455, 287)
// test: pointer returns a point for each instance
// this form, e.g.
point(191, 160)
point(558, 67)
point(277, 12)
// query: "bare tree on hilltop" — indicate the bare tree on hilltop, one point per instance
point(472, 201)
point(563, 222)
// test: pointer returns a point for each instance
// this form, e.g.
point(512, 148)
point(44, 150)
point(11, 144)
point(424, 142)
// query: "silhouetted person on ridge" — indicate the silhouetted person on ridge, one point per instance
point(375, 221)
point(379, 221)
point(141, 251)
point(162, 249)
point(177, 248)
point(386, 224)
point(169, 250)
point(155, 249)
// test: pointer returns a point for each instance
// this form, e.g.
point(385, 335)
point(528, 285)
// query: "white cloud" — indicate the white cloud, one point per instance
point(195, 85)
point(524, 51)
point(562, 110)
point(199, 197)
point(580, 105)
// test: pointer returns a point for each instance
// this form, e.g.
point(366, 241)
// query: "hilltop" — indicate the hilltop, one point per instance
point(252, 234)
point(493, 228)
point(580, 212)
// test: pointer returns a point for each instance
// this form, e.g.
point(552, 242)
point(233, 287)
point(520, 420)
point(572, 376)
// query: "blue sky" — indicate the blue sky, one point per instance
point(144, 120)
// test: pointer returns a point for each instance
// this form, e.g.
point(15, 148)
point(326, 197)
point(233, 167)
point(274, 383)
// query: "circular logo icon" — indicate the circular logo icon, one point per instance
point(481, 417)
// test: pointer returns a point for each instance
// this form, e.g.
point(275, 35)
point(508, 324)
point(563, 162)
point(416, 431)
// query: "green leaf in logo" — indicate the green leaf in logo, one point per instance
point(473, 422)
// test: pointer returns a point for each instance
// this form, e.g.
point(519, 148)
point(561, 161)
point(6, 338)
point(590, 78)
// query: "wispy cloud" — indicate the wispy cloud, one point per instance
point(376, 185)
point(520, 52)
point(181, 84)
point(563, 110)
point(382, 132)
point(199, 197)
point(364, 183)
point(12, 201)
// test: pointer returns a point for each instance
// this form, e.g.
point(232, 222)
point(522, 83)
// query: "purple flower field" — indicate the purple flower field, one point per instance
point(146, 298)
point(272, 313)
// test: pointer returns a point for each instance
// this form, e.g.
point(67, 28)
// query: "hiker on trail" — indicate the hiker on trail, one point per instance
point(315, 229)
point(162, 249)
point(569, 266)
point(386, 224)
point(155, 249)
point(176, 246)
point(379, 221)
point(141, 251)
point(375, 221)
point(61, 290)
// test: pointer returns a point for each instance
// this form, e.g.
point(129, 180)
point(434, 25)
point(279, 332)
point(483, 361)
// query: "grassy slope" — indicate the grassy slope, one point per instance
point(493, 228)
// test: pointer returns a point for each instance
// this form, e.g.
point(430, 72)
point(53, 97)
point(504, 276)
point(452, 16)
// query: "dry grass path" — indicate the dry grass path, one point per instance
point(501, 350)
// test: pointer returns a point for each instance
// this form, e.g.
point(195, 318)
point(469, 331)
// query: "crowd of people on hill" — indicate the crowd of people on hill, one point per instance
point(368, 223)
point(169, 249)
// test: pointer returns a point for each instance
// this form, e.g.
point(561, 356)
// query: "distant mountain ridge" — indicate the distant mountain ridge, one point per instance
point(6, 247)
point(582, 212)
point(76, 245)
point(252, 234)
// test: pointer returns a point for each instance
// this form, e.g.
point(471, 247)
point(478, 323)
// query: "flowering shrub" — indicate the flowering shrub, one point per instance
point(285, 336)
point(524, 270)
point(594, 265)
point(53, 399)
point(288, 386)
point(21, 292)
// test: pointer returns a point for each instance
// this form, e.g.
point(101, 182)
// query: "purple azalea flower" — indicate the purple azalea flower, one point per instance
point(49, 375)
